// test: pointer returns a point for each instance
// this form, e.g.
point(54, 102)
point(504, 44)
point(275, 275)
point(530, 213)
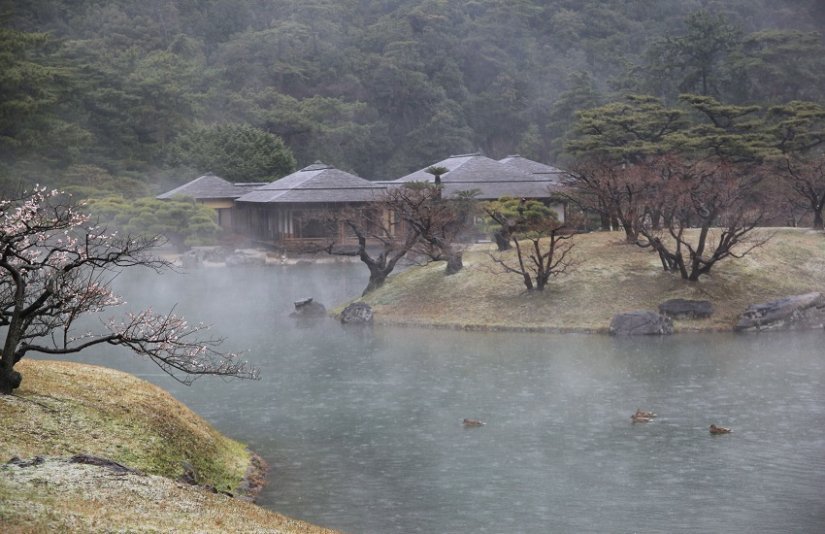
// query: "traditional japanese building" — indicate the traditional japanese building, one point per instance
point(214, 192)
point(489, 179)
point(295, 211)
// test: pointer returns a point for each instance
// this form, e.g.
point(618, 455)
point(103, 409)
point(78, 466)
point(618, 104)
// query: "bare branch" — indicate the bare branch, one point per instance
point(56, 268)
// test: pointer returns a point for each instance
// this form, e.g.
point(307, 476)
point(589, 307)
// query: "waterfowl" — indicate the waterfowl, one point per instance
point(472, 422)
point(642, 413)
point(719, 430)
point(640, 418)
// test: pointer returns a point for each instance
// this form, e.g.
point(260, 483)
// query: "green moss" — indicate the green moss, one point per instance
point(65, 409)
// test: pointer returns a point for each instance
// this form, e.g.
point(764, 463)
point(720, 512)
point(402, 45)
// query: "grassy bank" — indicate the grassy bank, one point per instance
point(611, 277)
point(65, 409)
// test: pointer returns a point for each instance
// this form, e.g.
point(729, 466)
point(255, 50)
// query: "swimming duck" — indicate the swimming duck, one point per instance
point(472, 422)
point(640, 418)
point(642, 413)
point(719, 430)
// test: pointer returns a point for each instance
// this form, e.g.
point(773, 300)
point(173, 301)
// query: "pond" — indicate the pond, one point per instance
point(363, 431)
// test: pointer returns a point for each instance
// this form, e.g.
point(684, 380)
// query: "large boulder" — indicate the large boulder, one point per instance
point(308, 308)
point(357, 313)
point(686, 309)
point(640, 323)
point(797, 312)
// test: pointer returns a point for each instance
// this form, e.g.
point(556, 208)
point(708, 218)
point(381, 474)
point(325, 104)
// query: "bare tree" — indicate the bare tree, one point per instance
point(411, 219)
point(56, 268)
point(440, 223)
point(542, 252)
point(381, 242)
point(615, 191)
point(710, 209)
point(806, 179)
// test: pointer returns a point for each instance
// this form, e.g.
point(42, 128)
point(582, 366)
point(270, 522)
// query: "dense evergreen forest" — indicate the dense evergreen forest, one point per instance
point(127, 97)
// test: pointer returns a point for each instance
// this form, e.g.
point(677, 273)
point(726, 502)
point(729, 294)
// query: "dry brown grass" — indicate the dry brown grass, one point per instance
point(611, 277)
point(57, 496)
point(63, 409)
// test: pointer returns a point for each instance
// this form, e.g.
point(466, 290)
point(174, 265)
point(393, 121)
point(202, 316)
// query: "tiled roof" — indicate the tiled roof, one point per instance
point(316, 183)
point(530, 166)
point(495, 190)
point(493, 179)
point(208, 186)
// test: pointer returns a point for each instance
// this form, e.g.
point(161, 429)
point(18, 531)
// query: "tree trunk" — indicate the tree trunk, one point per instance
point(377, 279)
point(818, 223)
point(502, 238)
point(379, 271)
point(9, 378)
point(454, 261)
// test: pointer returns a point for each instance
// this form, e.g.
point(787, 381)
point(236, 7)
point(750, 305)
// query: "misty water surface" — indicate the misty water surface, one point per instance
point(363, 430)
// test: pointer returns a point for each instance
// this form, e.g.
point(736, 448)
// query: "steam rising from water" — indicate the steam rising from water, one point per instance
point(364, 431)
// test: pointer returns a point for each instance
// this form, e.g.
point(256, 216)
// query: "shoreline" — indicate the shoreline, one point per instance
point(80, 434)
point(537, 329)
point(611, 278)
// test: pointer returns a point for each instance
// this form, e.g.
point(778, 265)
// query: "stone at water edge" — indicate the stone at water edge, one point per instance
point(686, 309)
point(796, 312)
point(308, 307)
point(244, 259)
point(357, 313)
point(640, 323)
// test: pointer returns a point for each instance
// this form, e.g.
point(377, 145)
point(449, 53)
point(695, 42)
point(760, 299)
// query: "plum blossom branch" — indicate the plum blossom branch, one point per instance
point(56, 267)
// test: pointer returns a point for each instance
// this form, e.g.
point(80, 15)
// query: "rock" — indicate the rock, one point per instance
point(308, 308)
point(640, 323)
point(37, 460)
point(196, 256)
point(357, 313)
point(213, 253)
point(242, 258)
point(686, 309)
point(190, 474)
point(101, 462)
point(797, 312)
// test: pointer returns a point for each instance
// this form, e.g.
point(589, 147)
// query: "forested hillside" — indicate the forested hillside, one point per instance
point(131, 97)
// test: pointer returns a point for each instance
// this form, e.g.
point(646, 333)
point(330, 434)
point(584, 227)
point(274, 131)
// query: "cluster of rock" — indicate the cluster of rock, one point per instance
point(651, 323)
point(357, 313)
point(246, 258)
point(796, 312)
point(197, 256)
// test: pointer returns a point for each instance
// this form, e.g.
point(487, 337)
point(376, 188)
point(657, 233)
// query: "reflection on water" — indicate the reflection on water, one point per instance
point(364, 434)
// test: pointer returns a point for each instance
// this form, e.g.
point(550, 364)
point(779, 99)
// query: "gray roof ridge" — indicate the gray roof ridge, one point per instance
point(323, 188)
point(188, 185)
point(300, 179)
point(316, 166)
point(494, 181)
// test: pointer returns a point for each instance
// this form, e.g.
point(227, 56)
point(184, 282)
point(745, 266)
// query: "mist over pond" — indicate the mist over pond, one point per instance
point(363, 428)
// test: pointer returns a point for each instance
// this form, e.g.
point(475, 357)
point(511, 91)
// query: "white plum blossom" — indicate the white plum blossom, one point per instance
point(56, 267)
